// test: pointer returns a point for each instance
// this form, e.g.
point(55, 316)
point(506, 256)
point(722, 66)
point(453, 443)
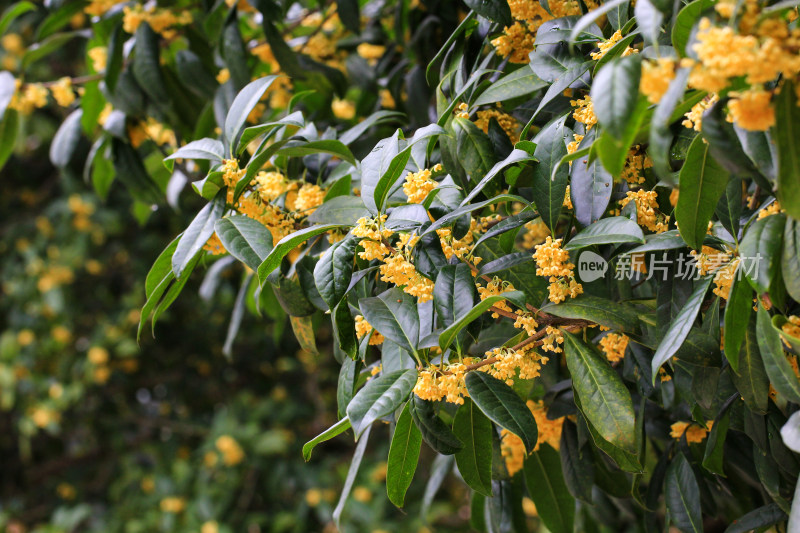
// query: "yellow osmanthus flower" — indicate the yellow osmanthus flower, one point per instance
point(509, 361)
point(458, 247)
point(694, 118)
point(608, 44)
point(66, 491)
point(100, 7)
point(792, 326)
point(516, 43)
point(211, 526)
point(223, 76)
point(232, 453)
point(160, 20)
point(99, 58)
point(462, 110)
point(614, 345)
point(635, 165)
point(97, 355)
point(25, 337)
point(551, 259)
point(584, 112)
point(31, 96)
point(553, 340)
point(752, 110)
point(364, 328)
point(493, 288)
point(646, 206)
point(526, 321)
point(511, 446)
point(344, 109)
point(573, 145)
point(419, 184)
point(44, 416)
point(693, 432)
point(173, 504)
point(709, 259)
point(772, 209)
point(387, 100)
point(62, 91)
point(371, 52)
point(12, 44)
point(433, 384)
point(656, 77)
point(568, 198)
point(399, 270)
point(309, 197)
point(214, 245)
point(537, 232)
point(723, 280)
point(508, 123)
point(271, 185)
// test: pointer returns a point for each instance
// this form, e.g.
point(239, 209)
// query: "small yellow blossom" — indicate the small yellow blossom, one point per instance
point(364, 328)
point(62, 91)
point(343, 109)
point(584, 111)
point(646, 206)
point(614, 345)
point(232, 453)
point(693, 432)
point(173, 504)
point(752, 110)
point(656, 77)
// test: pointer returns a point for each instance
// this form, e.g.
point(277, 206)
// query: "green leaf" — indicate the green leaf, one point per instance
point(303, 330)
point(606, 401)
point(684, 22)
point(729, 208)
point(552, 61)
point(790, 259)
point(715, 445)
point(12, 12)
point(453, 294)
point(589, 18)
point(702, 182)
point(337, 429)
point(325, 146)
point(158, 279)
point(613, 150)
point(737, 316)
point(475, 152)
point(501, 404)
point(197, 234)
point(403, 457)
point(660, 133)
point(146, 67)
point(778, 369)
point(341, 210)
point(786, 134)
point(449, 334)
point(760, 251)
point(131, 172)
point(615, 92)
point(649, 19)
point(751, 378)
point(522, 276)
point(9, 126)
point(208, 149)
point(548, 490)
point(590, 189)
point(520, 82)
point(344, 330)
point(246, 239)
point(758, 519)
point(550, 178)
point(66, 139)
point(253, 132)
point(393, 313)
point(680, 327)
point(286, 245)
point(334, 269)
point(617, 316)
point(381, 396)
point(377, 164)
point(48, 46)
point(474, 460)
point(682, 495)
point(351, 476)
point(241, 107)
point(607, 231)
point(435, 432)
point(348, 11)
point(492, 10)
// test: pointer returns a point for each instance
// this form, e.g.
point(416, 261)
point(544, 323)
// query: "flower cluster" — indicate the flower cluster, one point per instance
point(495, 287)
point(604, 47)
point(232, 453)
point(160, 20)
point(635, 165)
point(435, 384)
point(584, 111)
point(553, 261)
point(508, 123)
point(419, 184)
point(508, 361)
point(656, 77)
point(646, 207)
point(693, 432)
point(614, 346)
point(364, 328)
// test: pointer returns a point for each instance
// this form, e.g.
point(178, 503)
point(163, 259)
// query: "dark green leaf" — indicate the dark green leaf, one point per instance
point(474, 148)
point(757, 519)
point(790, 258)
point(787, 137)
point(474, 460)
point(197, 234)
point(394, 315)
point(434, 431)
point(617, 316)
point(521, 82)
point(492, 10)
point(751, 379)
point(548, 490)
point(682, 29)
point(614, 93)
point(702, 182)
point(778, 369)
point(606, 401)
point(550, 179)
point(590, 188)
point(760, 251)
point(682, 495)
point(12, 12)
point(241, 107)
point(737, 316)
point(246, 239)
point(334, 269)
point(341, 210)
point(286, 245)
point(501, 404)
point(338, 428)
point(680, 327)
point(403, 457)
point(607, 231)
point(381, 396)
point(146, 66)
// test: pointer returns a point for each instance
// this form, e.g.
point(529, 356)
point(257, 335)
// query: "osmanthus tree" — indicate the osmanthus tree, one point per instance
point(578, 285)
